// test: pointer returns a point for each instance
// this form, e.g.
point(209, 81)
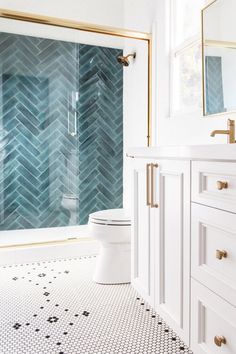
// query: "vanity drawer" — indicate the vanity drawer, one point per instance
point(213, 234)
point(213, 319)
point(214, 184)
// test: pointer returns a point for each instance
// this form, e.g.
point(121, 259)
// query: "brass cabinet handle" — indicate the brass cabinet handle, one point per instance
point(222, 185)
point(221, 254)
point(219, 340)
point(148, 183)
point(153, 204)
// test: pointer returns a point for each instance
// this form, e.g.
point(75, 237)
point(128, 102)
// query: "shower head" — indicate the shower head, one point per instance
point(124, 60)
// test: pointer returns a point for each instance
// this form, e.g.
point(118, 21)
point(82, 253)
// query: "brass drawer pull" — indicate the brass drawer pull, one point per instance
point(153, 204)
point(222, 185)
point(219, 340)
point(221, 254)
point(148, 184)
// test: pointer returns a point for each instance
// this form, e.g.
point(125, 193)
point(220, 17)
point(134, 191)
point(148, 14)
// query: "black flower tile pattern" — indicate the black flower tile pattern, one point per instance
point(74, 315)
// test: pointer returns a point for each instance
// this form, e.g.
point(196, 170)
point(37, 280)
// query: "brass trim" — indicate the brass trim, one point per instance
point(219, 44)
point(203, 62)
point(82, 26)
point(87, 27)
point(153, 204)
point(149, 128)
point(148, 184)
point(45, 243)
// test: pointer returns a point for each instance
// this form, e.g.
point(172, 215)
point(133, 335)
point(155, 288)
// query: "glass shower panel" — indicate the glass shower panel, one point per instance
point(61, 128)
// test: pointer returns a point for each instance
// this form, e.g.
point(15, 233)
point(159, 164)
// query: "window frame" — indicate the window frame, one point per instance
point(175, 50)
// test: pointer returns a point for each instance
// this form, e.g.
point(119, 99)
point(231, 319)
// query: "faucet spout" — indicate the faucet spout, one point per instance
point(215, 132)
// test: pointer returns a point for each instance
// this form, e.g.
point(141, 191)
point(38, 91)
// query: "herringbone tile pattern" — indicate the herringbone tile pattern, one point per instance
point(100, 130)
point(214, 85)
point(40, 161)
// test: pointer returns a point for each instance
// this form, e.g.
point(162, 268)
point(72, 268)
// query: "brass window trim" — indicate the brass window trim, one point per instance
point(87, 27)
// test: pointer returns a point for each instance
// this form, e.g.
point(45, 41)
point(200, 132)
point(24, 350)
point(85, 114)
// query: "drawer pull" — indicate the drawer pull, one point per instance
point(221, 254)
point(221, 185)
point(153, 204)
point(148, 183)
point(219, 340)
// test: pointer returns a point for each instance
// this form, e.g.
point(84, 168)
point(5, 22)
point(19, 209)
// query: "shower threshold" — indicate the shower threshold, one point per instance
point(13, 238)
point(22, 246)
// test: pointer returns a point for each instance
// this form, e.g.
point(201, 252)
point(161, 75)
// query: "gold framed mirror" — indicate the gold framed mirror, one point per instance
point(219, 57)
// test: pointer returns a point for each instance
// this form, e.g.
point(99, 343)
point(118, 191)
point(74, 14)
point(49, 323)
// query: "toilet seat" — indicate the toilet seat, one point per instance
point(113, 217)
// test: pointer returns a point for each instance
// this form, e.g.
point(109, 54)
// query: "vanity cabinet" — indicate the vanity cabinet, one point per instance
point(184, 241)
point(161, 238)
point(213, 257)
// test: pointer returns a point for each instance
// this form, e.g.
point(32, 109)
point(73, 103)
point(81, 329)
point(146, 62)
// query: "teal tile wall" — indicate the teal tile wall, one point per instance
point(40, 160)
point(214, 85)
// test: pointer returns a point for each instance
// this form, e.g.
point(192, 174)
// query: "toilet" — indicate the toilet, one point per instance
point(112, 229)
point(70, 202)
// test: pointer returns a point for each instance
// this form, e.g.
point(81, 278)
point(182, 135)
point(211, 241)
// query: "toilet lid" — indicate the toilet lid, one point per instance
point(111, 216)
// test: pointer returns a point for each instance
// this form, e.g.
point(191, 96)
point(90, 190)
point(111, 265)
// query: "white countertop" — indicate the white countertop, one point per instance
point(223, 152)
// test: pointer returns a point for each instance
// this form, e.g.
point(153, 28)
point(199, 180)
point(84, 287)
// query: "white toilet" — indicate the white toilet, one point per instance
point(112, 228)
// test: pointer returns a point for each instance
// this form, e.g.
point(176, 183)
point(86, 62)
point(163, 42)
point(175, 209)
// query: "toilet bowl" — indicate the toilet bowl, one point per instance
point(69, 202)
point(112, 229)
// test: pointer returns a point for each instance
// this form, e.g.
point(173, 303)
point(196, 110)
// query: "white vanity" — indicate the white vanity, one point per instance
point(184, 240)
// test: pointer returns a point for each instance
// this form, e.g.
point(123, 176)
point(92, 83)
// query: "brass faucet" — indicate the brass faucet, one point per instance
point(230, 132)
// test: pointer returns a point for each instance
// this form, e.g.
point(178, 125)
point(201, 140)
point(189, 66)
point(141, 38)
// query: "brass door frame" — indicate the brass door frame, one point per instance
point(87, 27)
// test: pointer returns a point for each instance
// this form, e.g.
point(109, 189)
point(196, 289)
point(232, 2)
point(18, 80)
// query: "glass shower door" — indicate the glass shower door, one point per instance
point(39, 79)
point(61, 125)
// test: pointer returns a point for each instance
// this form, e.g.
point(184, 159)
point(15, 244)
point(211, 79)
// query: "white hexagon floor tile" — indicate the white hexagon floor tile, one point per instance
point(54, 307)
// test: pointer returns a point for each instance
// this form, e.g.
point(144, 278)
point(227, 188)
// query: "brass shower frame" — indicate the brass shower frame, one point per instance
point(87, 27)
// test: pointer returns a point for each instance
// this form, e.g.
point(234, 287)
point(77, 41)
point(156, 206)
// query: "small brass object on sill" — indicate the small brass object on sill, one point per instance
point(221, 254)
point(219, 340)
point(222, 185)
point(230, 132)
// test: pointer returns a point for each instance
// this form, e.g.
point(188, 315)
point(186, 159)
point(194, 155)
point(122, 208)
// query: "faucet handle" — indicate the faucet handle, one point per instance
point(231, 127)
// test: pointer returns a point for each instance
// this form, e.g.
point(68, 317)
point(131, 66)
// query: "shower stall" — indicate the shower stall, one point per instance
point(62, 128)
point(61, 131)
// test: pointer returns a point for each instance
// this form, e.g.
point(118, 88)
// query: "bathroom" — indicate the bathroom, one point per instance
point(118, 177)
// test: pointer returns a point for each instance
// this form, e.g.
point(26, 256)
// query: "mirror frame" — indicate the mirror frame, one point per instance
point(228, 45)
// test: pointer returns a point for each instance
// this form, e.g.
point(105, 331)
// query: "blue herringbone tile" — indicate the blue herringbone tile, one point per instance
point(37, 75)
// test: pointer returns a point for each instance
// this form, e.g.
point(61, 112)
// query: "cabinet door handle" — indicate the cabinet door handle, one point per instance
point(148, 183)
point(153, 204)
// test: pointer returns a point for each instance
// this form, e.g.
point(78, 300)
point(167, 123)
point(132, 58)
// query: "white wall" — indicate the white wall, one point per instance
point(102, 12)
point(139, 15)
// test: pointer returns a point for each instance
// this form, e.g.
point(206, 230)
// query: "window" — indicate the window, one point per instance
point(185, 68)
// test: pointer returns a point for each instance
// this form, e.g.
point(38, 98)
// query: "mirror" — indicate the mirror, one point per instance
point(219, 57)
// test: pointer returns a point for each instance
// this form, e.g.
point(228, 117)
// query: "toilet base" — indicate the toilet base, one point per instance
point(113, 264)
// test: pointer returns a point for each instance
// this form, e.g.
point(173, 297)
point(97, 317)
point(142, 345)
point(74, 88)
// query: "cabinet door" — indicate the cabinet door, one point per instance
point(172, 238)
point(142, 246)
